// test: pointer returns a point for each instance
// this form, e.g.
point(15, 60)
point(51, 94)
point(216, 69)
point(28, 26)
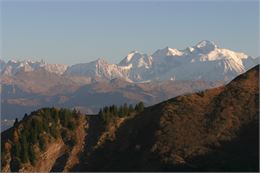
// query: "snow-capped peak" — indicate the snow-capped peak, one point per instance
point(12, 61)
point(136, 60)
point(133, 52)
point(204, 61)
point(167, 51)
point(100, 61)
point(12, 67)
point(206, 46)
point(132, 56)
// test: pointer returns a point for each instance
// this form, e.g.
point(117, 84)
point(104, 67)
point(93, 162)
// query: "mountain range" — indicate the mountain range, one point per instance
point(211, 130)
point(204, 61)
point(28, 85)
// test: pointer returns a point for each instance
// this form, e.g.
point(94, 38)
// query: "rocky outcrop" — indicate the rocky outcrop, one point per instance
point(48, 158)
point(56, 150)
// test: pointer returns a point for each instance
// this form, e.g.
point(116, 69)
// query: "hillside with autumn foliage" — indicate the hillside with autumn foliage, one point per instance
point(212, 130)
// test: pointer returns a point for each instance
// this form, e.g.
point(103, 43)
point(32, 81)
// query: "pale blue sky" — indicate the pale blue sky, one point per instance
point(80, 31)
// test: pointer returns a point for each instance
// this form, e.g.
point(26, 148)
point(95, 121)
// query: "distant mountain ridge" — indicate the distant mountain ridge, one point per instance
point(204, 61)
point(213, 130)
point(13, 67)
point(28, 85)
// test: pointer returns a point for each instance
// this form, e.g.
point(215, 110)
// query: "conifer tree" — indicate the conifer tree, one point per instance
point(139, 107)
point(16, 149)
point(42, 144)
point(125, 109)
point(131, 108)
point(25, 116)
point(16, 122)
point(24, 149)
point(32, 156)
point(120, 111)
point(33, 136)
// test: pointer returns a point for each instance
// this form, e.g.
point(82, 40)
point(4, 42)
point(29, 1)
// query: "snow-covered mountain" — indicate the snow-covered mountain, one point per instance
point(204, 61)
point(13, 67)
point(99, 68)
point(168, 72)
point(139, 66)
point(137, 60)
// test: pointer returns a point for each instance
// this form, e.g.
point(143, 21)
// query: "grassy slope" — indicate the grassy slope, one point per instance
point(212, 130)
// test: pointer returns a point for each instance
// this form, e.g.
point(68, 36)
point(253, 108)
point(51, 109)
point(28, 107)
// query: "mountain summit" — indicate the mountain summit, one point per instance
point(167, 52)
point(13, 67)
point(206, 45)
point(204, 61)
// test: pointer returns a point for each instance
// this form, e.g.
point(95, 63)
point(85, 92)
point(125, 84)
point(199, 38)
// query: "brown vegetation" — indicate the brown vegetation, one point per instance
point(194, 132)
point(213, 130)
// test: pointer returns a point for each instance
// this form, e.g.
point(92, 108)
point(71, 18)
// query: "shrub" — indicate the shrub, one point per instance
point(24, 149)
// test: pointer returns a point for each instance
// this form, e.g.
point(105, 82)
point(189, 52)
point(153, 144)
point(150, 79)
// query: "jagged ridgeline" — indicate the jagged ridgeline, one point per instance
point(24, 143)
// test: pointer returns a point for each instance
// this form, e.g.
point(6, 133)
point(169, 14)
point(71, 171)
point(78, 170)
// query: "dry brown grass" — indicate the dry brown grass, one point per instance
point(169, 135)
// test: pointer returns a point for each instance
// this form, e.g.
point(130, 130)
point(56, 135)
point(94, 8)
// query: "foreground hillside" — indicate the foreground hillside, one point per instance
point(214, 130)
point(35, 143)
point(52, 139)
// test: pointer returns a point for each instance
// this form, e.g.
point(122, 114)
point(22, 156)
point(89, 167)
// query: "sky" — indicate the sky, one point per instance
point(73, 32)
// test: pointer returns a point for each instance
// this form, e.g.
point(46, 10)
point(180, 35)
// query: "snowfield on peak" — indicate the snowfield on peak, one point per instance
point(167, 52)
point(99, 68)
point(137, 60)
point(204, 61)
point(12, 67)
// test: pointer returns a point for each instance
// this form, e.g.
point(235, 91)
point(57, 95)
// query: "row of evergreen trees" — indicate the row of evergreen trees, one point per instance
point(109, 113)
point(46, 124)
point(37, 129)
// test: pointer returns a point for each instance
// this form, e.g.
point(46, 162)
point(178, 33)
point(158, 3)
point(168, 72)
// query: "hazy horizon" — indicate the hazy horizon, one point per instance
point(82, 31)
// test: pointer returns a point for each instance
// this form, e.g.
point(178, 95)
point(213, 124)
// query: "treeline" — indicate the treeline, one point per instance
point(109, 113)
point(34, 132)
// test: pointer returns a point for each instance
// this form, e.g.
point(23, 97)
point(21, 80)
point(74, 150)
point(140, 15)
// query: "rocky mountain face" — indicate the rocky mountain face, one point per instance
point(211, 130)
point(29, 85)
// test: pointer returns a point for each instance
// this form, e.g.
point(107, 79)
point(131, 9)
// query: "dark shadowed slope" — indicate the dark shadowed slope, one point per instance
point(215, 130)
